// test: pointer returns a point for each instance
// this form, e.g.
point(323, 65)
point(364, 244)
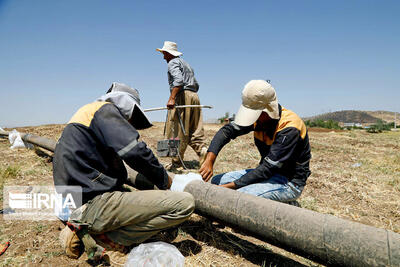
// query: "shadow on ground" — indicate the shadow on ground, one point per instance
point(213, 235)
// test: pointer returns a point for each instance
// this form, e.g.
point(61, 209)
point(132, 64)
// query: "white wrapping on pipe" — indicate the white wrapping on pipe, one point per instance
point(181, 180)
point(16, 141)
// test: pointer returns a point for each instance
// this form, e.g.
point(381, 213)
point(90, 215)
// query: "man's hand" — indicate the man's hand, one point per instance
point(230, 185)
point(171, 103)
point(206, 169)
point(171, 100)
point(169, 181)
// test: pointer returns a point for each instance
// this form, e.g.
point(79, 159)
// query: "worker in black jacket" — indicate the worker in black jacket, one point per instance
point(91, 152)
point(281, 138)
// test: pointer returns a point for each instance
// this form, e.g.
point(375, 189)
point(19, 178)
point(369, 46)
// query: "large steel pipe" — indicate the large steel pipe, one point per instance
point(3, 133)
point(324, 237)
point(43, 142)
point(39, 141)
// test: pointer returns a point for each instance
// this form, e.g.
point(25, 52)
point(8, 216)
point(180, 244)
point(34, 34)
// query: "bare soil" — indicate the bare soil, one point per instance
point(355, 176)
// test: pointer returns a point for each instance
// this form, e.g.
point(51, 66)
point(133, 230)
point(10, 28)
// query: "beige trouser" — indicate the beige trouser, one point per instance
point(132, 217)
point(192, 120)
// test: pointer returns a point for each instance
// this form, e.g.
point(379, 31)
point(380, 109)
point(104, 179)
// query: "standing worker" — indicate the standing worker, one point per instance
point(183, 91)
point(281, 138)
point(91, 152)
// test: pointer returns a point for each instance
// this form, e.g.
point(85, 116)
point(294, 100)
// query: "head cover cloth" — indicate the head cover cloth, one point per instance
point(257, 96)
point(127, 100)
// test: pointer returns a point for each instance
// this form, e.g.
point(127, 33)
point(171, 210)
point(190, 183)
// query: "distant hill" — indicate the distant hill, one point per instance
point(387, 116)
point(356, 116)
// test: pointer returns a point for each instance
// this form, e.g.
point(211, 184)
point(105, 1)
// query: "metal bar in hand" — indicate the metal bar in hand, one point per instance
point(180, 122)
point(183, 106)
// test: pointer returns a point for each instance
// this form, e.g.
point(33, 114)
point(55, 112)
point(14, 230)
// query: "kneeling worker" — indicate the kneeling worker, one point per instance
point(281, 138)
point(91, 152)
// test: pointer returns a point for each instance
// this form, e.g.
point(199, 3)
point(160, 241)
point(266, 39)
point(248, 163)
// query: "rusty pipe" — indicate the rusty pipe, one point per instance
point(39, 141)
point(322, 237)
point(3, 133)
point(43, 142)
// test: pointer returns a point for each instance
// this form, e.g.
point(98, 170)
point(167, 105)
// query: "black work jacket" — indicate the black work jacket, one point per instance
point(283, 145)
point(92, 148)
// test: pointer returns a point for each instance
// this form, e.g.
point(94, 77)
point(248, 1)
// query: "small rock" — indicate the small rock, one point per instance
point(356, 165)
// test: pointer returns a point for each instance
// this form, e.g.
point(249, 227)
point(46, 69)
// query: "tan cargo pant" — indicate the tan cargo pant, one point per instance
point(129, 218)
point(192, 120)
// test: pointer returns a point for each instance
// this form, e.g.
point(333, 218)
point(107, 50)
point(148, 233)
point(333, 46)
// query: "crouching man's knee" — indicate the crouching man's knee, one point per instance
point(184, 204)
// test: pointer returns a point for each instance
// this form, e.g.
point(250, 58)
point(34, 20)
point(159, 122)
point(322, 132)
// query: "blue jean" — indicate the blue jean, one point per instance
point(276, 187)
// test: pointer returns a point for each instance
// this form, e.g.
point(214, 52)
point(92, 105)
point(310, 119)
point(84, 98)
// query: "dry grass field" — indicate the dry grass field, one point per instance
point(355, 176)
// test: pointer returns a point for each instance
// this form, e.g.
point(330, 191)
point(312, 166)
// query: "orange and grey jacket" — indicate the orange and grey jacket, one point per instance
point(282, 143)
point(93, 146)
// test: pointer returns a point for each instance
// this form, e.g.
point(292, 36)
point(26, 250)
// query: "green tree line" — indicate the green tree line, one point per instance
point(380, 126)
point(329, 124)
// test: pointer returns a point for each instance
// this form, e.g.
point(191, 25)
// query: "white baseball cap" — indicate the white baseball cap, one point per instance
point(171, 48)
point(257, 96)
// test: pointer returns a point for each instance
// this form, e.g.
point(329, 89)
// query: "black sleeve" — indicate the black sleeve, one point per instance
point(142, 159)
point(282, 149)
point(226, 134)
point(115, 132)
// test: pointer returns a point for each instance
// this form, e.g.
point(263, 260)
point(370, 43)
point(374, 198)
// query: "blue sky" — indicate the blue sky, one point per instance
point(321, 56)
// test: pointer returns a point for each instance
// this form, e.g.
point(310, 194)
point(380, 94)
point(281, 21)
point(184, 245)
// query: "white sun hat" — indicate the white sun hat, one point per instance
point(171, 48)
point(257, 96)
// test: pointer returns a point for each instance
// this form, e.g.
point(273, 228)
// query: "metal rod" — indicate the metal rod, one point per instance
point(182, 106)
point(180, 122)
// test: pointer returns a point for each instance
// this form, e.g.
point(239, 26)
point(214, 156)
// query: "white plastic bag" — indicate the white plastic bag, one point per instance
point(15, 139)
point(181, 180)
point(155, 254)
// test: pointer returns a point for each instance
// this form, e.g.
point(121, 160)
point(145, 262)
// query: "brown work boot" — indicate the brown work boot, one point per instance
point(174, 166)
point(71, 243)
point(115, 254)
point(202, 155)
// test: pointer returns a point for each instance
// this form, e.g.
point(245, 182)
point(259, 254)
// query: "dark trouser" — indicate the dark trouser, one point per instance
point(132, 217)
